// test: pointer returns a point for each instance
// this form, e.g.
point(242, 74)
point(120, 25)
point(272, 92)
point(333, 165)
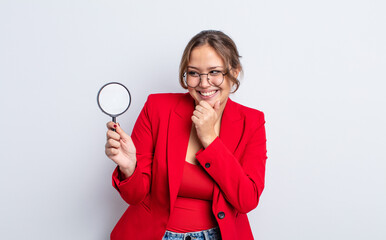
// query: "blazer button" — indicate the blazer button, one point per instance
point(207, 165)
point(221, 215)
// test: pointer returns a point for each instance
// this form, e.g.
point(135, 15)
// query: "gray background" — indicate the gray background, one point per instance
point(316, 68)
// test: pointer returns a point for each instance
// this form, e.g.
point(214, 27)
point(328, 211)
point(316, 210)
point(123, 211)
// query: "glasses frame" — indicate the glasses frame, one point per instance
point(207, 78)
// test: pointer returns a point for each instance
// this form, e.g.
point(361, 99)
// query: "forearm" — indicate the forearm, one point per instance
point(239, 186)
point(132, 189)
point(127, 172)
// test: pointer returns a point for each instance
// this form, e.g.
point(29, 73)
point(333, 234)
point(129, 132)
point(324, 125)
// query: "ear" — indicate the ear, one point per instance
point(235, 72)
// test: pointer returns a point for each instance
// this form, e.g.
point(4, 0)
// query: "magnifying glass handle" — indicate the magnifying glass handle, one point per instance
point(115, 121)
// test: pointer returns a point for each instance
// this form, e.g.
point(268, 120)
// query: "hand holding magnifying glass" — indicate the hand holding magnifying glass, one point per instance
point(114, 99)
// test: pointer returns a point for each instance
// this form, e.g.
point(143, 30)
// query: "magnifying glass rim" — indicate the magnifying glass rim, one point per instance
point(99, 105)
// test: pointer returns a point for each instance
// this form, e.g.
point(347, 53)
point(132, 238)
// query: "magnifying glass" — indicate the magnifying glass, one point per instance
point(114, 99)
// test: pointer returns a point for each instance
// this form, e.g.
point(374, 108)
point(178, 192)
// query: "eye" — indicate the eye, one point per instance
point(214, 73)
point(193, 74)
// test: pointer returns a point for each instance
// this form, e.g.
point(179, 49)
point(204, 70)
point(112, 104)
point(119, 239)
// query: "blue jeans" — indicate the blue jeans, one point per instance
point(210, 234)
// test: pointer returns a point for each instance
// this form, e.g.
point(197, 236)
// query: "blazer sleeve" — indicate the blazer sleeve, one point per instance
point(135, 188)
point(241, 179)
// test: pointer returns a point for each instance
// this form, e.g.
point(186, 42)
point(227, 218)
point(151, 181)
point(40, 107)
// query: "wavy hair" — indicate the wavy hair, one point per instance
point(222, 44)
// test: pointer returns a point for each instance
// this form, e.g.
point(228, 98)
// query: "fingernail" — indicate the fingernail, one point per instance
point(115, 126)
point(119, 124)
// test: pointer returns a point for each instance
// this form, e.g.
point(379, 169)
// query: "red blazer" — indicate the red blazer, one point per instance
point(235, 160)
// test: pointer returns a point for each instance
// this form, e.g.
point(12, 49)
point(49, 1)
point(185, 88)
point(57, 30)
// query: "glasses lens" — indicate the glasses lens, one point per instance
point(216, 78)
point(192, 79)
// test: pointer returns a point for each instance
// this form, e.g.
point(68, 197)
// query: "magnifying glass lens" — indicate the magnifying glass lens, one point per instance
point(114, 99)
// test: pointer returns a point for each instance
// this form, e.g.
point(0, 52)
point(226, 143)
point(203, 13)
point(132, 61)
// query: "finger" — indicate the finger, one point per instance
point(200, 108)
point(113, 135)
point(111, 125)
point(111, 143)
point(198, 114)
point(195, 120)
point(122, 133)
point(205, 104)
point(110, 152)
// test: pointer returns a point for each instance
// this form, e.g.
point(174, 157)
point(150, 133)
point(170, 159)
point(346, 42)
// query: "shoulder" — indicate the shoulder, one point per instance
point(164, 97)
point(163, 103)
point(248, 113)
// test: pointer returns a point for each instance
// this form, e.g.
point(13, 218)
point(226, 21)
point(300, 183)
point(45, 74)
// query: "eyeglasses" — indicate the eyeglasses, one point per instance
point(214, 78)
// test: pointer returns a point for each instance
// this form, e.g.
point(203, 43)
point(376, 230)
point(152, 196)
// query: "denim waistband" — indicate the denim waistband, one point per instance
point(209, 234)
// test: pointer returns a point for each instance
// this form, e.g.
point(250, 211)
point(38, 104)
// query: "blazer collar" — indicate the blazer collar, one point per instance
point(231, 126)
point(185, 106)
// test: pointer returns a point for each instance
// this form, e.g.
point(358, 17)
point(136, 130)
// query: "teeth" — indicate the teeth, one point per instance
point(207, 93)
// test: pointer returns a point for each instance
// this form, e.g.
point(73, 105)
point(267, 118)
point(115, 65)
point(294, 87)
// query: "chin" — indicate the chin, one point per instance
point(211, 99)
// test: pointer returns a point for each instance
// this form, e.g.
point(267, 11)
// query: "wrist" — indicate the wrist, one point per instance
point(126, 171)
point(208, 140)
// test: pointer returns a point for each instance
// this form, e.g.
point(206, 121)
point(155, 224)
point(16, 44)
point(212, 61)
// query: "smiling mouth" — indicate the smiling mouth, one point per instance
point(207, 94)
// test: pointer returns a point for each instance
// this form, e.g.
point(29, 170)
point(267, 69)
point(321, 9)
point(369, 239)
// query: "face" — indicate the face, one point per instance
point(202, 60)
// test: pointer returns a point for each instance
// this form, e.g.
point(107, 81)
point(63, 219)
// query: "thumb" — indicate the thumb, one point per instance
point(122, 133)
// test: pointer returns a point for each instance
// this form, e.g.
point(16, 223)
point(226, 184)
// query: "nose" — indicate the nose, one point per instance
point(204, 81)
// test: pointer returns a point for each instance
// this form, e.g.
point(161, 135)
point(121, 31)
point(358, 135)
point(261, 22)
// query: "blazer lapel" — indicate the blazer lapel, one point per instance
point(230, 133)
point(178, 137)
point(231, 127)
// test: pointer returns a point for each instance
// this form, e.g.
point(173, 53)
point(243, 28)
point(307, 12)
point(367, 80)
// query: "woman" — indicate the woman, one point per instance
point(195, 162)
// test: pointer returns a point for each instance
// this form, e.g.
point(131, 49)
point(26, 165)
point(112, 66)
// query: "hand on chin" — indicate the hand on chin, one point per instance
point(210, 101)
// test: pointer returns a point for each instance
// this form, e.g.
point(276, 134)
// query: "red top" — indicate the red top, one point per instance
point(193, 208)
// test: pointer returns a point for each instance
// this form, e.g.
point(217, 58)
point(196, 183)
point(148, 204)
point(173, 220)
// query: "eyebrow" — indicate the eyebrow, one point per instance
point(209, 68)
